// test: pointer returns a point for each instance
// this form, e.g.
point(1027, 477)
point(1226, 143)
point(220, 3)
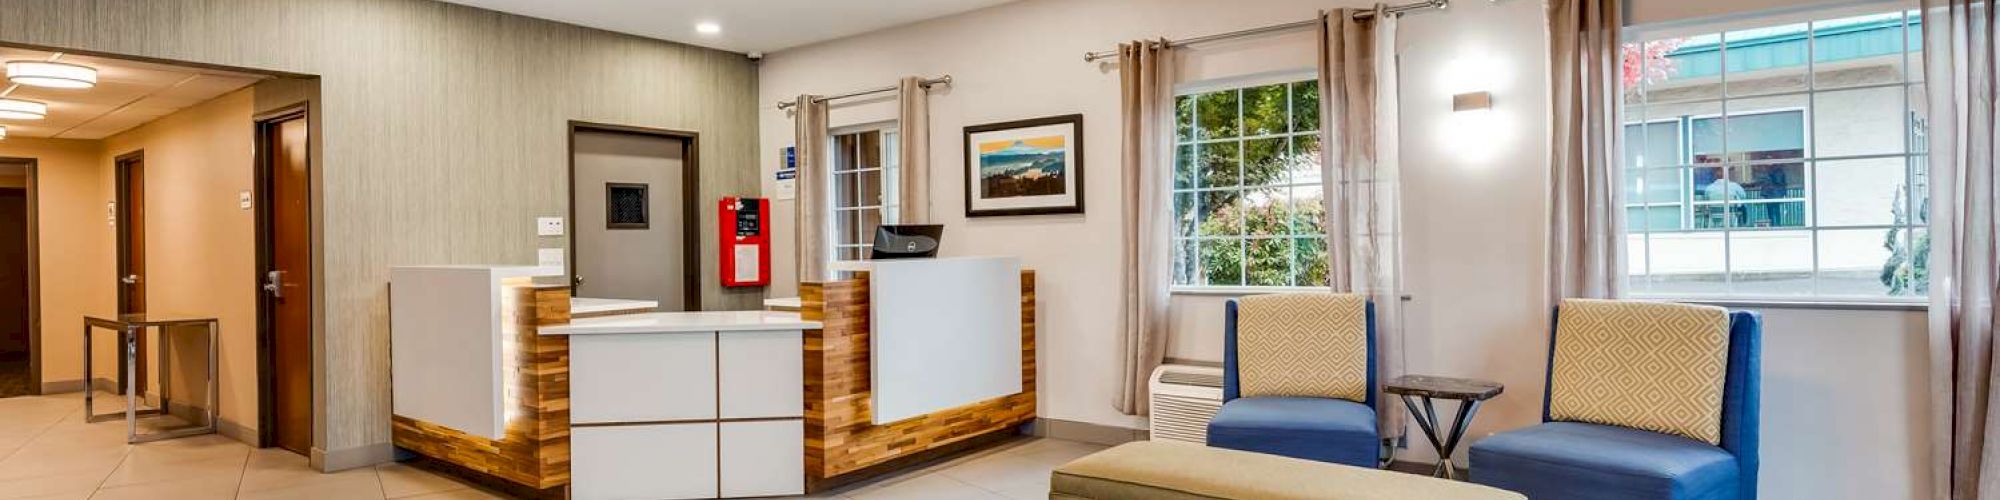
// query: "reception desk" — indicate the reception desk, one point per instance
point(524, 388)
point(871, 352)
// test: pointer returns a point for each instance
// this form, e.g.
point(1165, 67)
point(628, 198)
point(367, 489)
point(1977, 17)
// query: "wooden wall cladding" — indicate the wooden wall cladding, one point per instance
point(839, 436)
point(534, 453)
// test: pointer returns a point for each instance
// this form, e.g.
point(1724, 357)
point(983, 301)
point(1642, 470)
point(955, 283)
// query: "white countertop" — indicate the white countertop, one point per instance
point(784, 304)
point(586, 305)
point(683, 322)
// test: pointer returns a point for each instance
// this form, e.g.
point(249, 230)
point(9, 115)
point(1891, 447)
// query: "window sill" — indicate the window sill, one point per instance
point(1800, 303)
point(1239, 291)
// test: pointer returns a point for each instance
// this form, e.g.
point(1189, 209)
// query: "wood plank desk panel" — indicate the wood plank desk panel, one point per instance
point(534, 452)
point(840, 439)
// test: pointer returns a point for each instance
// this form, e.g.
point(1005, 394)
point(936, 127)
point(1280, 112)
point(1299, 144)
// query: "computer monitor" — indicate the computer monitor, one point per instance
point(914, 241)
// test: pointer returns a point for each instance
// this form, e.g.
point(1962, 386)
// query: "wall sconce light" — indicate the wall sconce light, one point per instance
point(1473, 132)
point(1472, 101)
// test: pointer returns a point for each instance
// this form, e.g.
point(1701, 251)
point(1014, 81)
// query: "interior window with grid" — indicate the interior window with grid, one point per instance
point(1247, 209)
point(1781, 161)
point(864, 192)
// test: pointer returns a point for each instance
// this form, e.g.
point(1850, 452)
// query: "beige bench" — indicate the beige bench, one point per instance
point(1159, 470)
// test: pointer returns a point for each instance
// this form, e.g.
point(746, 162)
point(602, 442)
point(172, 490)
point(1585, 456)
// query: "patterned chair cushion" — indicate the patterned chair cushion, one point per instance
point(1303, 344)
point(1645, 365)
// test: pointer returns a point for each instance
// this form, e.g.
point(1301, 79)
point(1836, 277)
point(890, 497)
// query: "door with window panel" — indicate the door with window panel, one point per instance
point(864, 190)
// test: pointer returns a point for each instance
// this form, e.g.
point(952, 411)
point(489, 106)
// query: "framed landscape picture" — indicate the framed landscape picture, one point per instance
point(1026, 167)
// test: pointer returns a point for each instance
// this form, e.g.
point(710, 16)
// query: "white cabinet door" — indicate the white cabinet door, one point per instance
point(763, 458)
point(642, 377)
point(643, 462)
point(763, 374)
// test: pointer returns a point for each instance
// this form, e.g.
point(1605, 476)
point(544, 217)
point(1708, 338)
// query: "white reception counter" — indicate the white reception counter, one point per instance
point(686, 404)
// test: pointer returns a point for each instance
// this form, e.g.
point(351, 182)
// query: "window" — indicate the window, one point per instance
point(863, 189)
point(1246, 192)
point(1777, 162)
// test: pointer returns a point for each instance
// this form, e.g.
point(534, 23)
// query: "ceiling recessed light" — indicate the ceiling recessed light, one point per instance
point(51, 74)
point(708, 28)
point(16, 109)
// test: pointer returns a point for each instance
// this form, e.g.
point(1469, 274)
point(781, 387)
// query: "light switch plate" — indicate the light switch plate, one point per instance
point(549, 257)
point(549, 226)
point(243, 199)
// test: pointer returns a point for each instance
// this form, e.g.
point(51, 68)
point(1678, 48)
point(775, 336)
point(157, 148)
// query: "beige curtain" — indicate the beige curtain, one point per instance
point(1359, 174)
point(809, 143)
point(1586, 219)
point(1146, 76)
point(913, 122)
point(1959, 73)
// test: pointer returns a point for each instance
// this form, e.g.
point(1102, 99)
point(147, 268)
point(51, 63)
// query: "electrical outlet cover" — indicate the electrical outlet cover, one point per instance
point(549, 226)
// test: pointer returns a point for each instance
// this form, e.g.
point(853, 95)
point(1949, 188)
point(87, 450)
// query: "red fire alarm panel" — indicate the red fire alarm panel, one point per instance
point(746, 241)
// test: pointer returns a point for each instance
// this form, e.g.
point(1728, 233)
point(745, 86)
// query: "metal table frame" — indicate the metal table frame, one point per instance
point(1469, 393)
point(130, 327)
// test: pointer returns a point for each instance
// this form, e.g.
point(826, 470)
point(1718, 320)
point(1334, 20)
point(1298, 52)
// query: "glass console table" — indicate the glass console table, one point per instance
point(130, 327)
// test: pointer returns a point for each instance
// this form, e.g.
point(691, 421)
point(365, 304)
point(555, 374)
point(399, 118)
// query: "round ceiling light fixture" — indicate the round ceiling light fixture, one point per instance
point(17, 109)
point(708, 28)
point(51, 74)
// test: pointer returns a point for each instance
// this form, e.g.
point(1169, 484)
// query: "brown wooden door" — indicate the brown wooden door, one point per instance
point(287, 275)
point(14, 334)
point(131, 217)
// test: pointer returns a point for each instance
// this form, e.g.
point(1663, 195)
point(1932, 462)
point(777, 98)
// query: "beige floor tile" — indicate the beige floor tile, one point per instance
point(71, 483)
point(142, 470)
point(351, 487)
point(925, 487)
point(45, 461)
point(74, 495)
point(460, 494)
point(204, 488)
point(399, 480)
point(1054, 452)
point(274, 468)
point(1000, 472)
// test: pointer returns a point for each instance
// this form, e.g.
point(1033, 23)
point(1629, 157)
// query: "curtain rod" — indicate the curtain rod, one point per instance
point(945, 80)
point(1358, 16)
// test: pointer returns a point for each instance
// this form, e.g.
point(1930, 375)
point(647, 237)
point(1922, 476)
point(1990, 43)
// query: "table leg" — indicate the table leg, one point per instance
point(1446, 445)
point(214, 381)
point(166, 355)
point(87, 389)
point(132, 384)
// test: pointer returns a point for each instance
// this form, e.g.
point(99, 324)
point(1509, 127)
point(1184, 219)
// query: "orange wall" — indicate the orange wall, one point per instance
point(78, 253)
point(200, 243)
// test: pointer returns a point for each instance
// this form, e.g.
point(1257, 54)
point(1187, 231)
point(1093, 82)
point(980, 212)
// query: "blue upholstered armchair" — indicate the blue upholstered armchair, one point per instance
point(1570, 457)
point(1299, 378)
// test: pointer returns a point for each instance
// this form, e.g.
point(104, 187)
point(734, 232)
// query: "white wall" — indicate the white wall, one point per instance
point(1475, 217)
point(1024, 60)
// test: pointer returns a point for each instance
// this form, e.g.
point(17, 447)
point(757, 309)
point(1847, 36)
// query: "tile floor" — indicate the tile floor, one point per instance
point(47, 452)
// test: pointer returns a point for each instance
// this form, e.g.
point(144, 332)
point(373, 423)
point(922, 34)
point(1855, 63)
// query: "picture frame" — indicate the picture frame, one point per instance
point(1025, 167)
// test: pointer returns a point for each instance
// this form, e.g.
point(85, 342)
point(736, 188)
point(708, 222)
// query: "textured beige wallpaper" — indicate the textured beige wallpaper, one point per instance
point(443, 136)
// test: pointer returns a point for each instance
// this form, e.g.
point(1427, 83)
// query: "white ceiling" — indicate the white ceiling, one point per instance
point(128, 94)
point(747, 25)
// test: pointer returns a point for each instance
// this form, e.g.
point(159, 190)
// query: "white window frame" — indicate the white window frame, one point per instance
point(1811, 160)
point(1174, 240)
point(890, 191)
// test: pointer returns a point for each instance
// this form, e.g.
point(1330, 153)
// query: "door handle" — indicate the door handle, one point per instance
point(273, 284)
point(129, 279)
point(576, 280)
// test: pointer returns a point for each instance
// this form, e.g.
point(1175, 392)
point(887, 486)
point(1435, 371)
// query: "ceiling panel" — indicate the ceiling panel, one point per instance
point(747, 26)
point(128, 94)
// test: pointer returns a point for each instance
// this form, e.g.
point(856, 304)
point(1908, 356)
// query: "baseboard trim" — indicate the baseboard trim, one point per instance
point(1069, 430)
point(50, 387)
point(352, 458)
point(227, 428)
